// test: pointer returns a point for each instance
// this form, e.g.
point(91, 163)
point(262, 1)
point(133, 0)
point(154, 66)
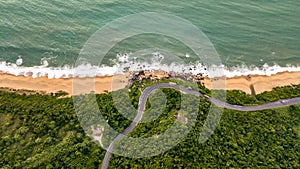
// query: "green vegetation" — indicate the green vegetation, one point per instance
point(280, 93)
point(42, 131)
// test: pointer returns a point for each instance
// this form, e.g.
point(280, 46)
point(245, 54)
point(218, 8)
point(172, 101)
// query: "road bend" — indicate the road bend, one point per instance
point(145, 94)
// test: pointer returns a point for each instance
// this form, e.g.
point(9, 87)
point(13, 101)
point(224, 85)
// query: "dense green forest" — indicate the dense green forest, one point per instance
point(43, 131)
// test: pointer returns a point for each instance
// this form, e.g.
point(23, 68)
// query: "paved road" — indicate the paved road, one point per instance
point(144, 96)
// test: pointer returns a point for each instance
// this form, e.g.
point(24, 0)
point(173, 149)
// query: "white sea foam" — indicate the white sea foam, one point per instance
point(19, 61)
point(124, 63)
point(89, 70)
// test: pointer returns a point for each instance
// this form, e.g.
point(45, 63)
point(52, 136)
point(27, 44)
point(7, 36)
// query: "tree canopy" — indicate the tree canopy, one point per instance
point(43, 131)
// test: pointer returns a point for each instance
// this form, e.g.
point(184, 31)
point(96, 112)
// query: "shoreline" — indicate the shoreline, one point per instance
point(254, 84)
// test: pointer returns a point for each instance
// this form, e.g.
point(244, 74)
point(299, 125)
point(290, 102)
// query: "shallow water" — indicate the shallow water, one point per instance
point(243, 32)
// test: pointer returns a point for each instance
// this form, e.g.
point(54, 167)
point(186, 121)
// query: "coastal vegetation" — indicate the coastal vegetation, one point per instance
point(43, 131)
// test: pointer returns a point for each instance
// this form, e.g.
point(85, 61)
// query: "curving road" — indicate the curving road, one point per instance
point(144, 96)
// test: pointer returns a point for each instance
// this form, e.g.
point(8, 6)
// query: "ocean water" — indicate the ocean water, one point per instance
point(50, 34)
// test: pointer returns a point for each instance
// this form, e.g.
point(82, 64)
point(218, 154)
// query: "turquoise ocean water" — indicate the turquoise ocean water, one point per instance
point(243, 32)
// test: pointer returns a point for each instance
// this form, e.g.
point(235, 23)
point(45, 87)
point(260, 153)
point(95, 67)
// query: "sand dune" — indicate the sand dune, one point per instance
point(109, 83)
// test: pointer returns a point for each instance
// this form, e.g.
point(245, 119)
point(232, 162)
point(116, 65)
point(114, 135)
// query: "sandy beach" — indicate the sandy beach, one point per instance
point(45, 85)
point(260, 83)
point(102, 84)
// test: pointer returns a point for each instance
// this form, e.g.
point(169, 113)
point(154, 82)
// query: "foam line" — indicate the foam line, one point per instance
point(92, 71)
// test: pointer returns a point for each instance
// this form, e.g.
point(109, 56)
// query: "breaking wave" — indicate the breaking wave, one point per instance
point(124, 63)
point(88, 70)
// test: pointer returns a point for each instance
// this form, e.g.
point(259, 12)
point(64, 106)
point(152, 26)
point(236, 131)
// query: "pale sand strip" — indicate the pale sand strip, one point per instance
point(260, 83)
point(85, 85)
